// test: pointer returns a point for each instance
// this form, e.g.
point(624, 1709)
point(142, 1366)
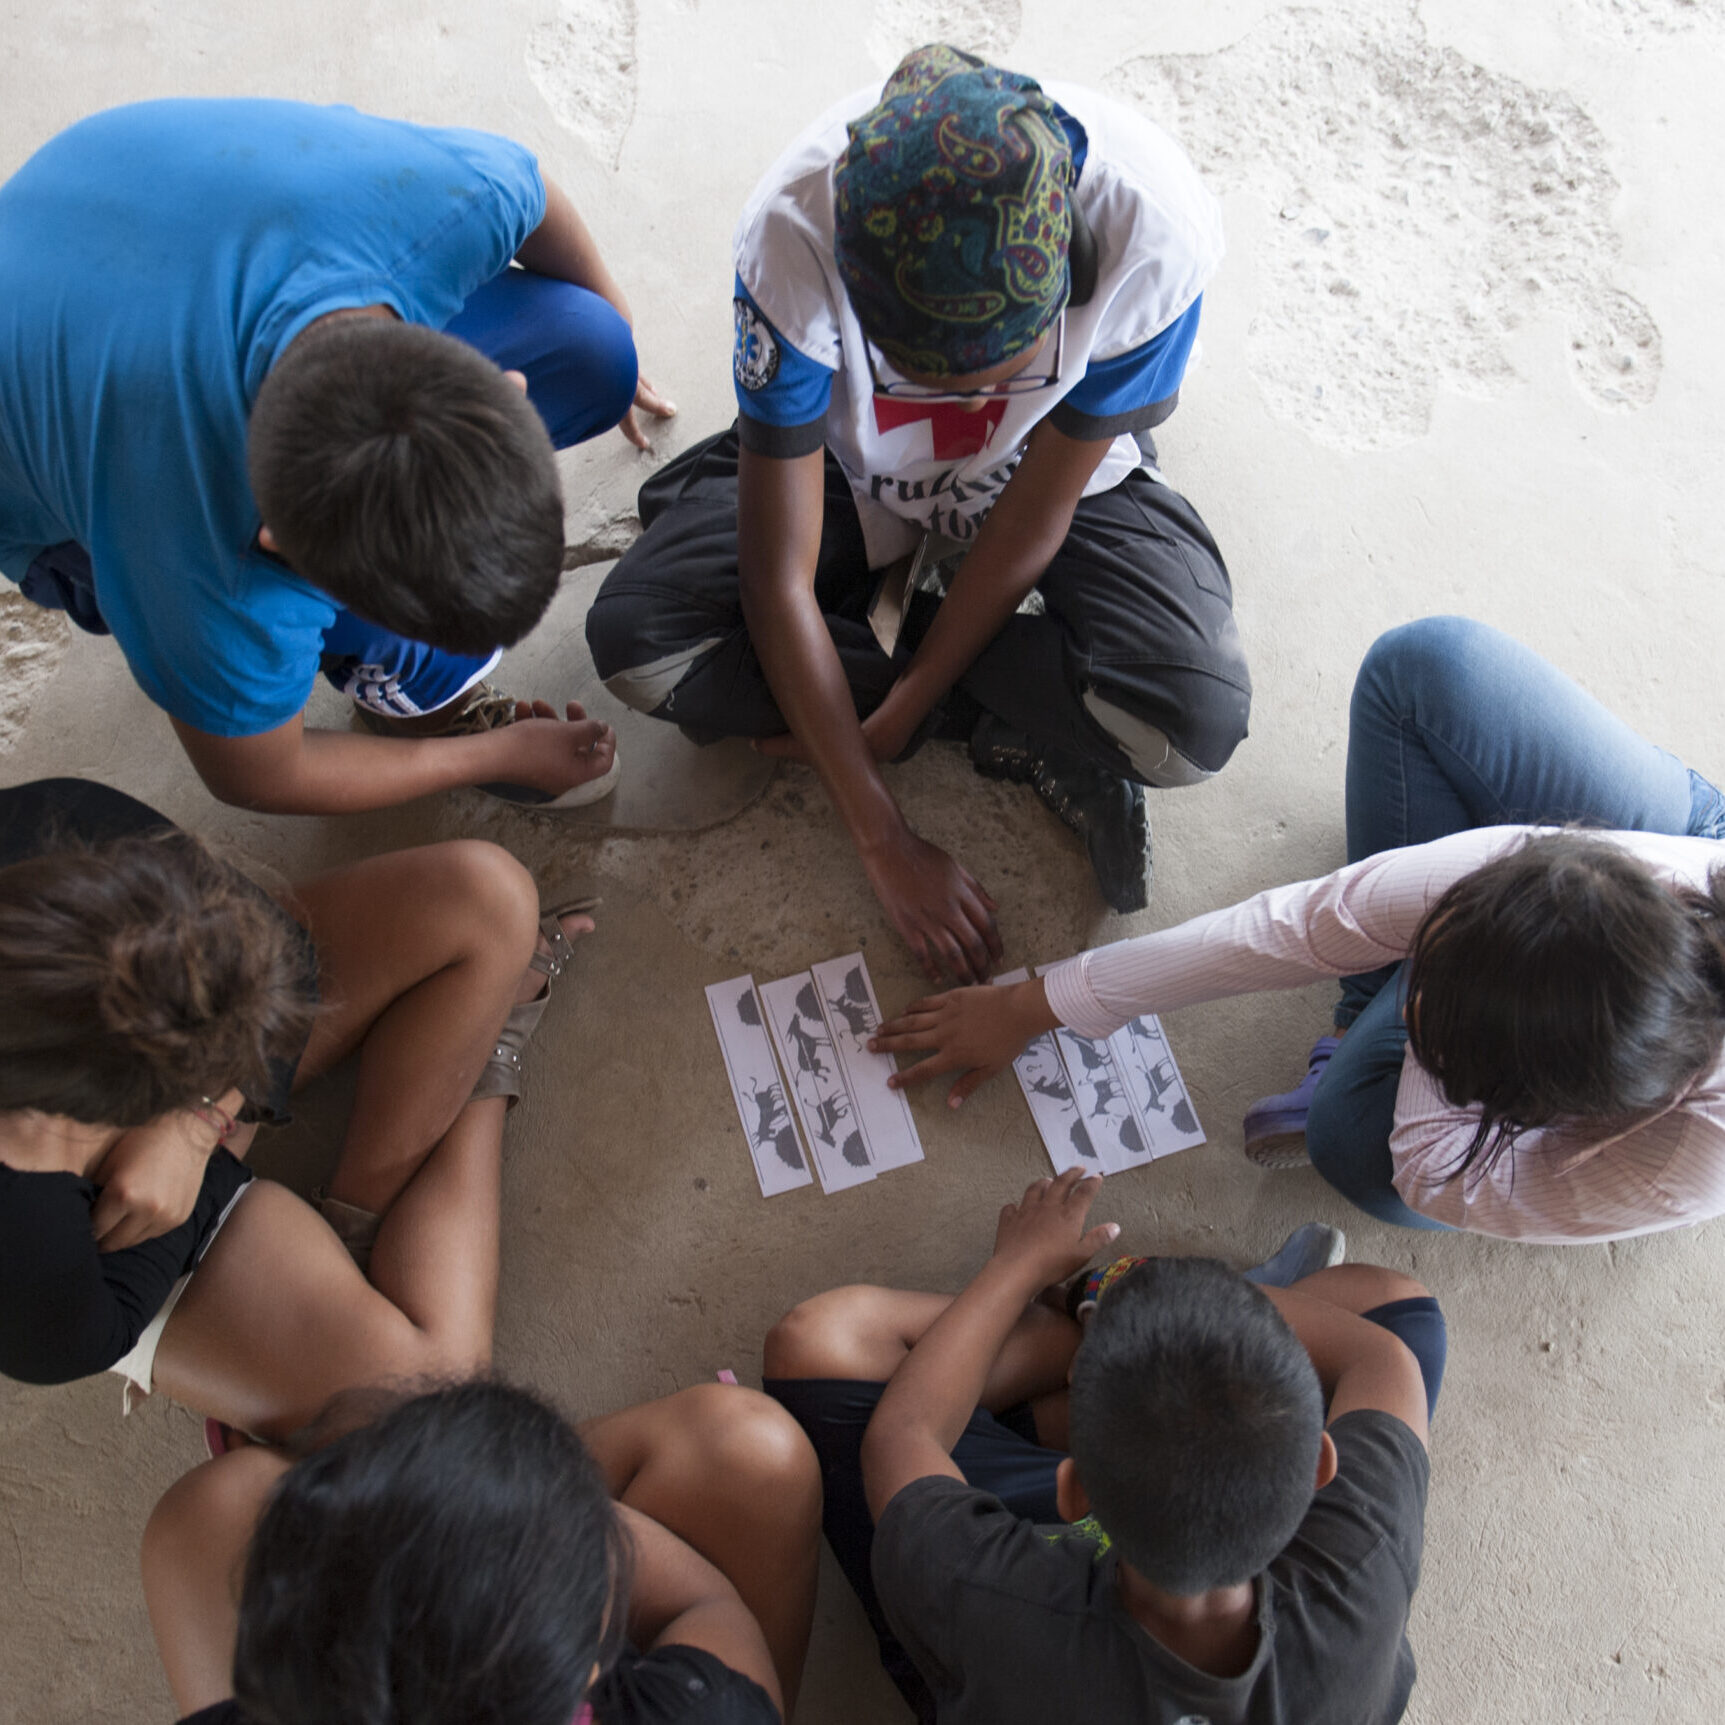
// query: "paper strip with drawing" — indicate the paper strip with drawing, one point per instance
point(756, 1086)
point(848, 1001)
point(1042, 1078)
point(1104, 1104)
point(1153, 1081)
point(816, 1082)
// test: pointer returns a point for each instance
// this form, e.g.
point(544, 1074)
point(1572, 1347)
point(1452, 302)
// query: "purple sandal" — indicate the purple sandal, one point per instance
point(1276, 1125)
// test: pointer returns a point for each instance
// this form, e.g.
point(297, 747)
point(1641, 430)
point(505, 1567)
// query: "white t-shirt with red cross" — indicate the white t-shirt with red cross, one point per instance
point(803, 373)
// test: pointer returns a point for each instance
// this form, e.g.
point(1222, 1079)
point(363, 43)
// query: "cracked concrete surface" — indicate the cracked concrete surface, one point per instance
point(1466, 461)
point(985, 27)
point(1426, 209)
point(583, 63)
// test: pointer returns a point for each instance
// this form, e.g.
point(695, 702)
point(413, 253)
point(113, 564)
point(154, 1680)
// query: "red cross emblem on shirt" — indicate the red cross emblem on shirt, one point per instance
point(958, 430)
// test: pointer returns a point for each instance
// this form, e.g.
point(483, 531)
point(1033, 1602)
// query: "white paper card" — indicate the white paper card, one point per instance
point(847, 1000)
point(1104, 1103)
point(823, 1099)
point(1042, 1078)
point(1165, 1112)
point(756, 1086)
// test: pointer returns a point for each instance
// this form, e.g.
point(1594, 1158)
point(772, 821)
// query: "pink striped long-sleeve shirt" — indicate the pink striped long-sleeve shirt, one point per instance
point(1558, 1185)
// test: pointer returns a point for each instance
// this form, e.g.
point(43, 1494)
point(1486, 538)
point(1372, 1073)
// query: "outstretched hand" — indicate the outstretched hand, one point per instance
point(1044, 1232)
point(975, 1032)
point(938, 905)
point(648, 400)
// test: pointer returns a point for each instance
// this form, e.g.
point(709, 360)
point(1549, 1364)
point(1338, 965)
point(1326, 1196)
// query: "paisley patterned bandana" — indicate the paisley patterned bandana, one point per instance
point(952, 215)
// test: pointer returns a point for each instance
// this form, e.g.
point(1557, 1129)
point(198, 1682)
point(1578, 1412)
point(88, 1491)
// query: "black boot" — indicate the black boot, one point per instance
point(1105, 811)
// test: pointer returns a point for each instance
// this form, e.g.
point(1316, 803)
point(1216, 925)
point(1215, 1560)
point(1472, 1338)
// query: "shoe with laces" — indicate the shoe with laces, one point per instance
point(1275, 1126)
point(1107, 812)
point(480, 707)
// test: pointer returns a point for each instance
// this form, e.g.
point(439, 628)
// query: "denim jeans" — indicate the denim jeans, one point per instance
point(1453, 726)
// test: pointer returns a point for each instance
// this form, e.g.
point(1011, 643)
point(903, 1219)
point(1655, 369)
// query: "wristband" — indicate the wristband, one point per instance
point(217, 1118)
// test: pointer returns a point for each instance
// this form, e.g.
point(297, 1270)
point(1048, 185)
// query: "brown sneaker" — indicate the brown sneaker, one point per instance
point(483, 707)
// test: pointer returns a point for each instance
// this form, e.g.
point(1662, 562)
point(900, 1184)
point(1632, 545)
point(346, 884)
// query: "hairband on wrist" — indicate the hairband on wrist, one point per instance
point(217, 1118)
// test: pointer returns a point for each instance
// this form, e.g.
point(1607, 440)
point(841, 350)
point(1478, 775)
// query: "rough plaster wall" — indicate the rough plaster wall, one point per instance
point(1426, 208)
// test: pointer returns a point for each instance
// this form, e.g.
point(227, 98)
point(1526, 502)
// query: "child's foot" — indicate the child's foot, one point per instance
point(536, 979)
point(600, 768)
point(1276, 1125)
point(501, 1075)
point(1310, 1248)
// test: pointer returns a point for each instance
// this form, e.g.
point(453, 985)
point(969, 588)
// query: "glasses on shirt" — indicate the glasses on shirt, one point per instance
point(1024, 383)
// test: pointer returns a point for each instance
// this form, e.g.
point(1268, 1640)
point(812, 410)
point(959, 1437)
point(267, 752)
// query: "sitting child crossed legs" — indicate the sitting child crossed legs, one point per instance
point(1247, 1472)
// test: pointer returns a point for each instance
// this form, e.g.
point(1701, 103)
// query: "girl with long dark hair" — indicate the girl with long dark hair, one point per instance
point(1530, 930)
point(468, 1558)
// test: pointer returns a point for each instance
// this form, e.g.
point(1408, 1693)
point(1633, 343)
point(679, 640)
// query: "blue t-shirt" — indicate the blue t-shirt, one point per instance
point(155, 261)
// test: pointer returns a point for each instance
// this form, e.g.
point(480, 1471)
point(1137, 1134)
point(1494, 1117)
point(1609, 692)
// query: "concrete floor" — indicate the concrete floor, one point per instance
point(1464, 355)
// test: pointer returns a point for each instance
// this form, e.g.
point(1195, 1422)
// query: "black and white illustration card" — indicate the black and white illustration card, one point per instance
point(1042, 1077)
point(817, 1082)
point(1165, 1112)
point(756, 1087)
point(848, 1003)
point(1104, 1102)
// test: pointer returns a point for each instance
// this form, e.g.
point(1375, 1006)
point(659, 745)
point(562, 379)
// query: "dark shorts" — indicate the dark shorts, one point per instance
point(997, 1453)
point(48, 814)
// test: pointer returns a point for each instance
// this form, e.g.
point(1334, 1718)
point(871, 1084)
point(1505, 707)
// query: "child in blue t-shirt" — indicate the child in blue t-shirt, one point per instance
point(235, 439)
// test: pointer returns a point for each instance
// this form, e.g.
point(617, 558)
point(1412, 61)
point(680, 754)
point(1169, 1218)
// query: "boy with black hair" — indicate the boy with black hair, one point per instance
point(1234, 1537)
point(962, 302)
point(261, 377)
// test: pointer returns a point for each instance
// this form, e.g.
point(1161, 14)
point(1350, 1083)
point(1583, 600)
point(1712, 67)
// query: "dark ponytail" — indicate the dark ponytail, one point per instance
point(1563, 983)
point(137, 976)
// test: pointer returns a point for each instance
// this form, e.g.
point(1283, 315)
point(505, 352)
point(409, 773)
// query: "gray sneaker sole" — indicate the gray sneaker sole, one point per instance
point(1278, 1150)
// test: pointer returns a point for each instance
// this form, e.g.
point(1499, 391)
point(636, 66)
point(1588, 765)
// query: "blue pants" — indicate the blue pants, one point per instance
point(578, 357)
point(1453, 726)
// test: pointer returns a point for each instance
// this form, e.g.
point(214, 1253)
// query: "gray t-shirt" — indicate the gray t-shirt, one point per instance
point(1009, 1622)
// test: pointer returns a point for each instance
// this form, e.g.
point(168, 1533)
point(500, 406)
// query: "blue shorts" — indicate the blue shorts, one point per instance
point(997, 1453)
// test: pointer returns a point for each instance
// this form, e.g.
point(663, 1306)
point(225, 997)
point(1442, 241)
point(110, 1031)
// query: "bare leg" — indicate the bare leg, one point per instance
point(865, 1332)
point(421, 954)
point(193, 1558)
point(1359, 1287)
point(729, 1471)
point(278, 1319)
